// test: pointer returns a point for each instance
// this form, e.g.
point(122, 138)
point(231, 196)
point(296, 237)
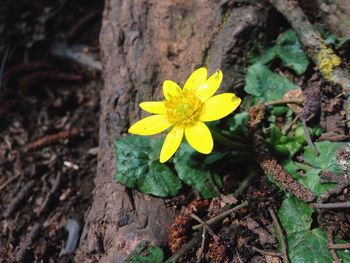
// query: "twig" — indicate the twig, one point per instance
point(330, 243)
point(335, 191)
point(341, 205)
point(29, 240)
point(222, 215)
point(49, 195)
point(46, 140)
point(246, 182)
point(281, 236)
point(81, 24)
point(10, 180)
point(308, 138)
point(184, 248)
point(2, 66)
point(206, 226)
point(45, 76)
point(266, 253)
point(19, 197)
point(339, 246)
point(201, 249)
point(289, 126)
point(284, 101)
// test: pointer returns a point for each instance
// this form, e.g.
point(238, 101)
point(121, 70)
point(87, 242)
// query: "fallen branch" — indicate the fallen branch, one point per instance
point(206, 226)
point(281, 236)
point(285, 101)
point(341, 205)
point(222, 215)
point(266, 253)
point(335, 191)
point(49, 139)
point(183, 250)
point(339, 246)
point(330, 243)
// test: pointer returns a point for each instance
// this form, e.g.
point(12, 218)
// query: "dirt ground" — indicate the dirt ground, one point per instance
point(49, 127)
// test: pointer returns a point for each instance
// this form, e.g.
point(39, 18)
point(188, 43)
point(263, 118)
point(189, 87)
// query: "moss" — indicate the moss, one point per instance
point(327, 61)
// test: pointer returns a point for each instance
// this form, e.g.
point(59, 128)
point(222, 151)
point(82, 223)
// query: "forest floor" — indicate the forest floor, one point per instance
point(49, 126)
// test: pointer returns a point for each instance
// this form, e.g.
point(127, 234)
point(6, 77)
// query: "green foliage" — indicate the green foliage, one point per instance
point(145, 254)
point(327, 159)
point(138, 166)
point(238, 124)
point(313, 165)
point(283, 145)
point(262, 83)
point(289, 50)
point(192, 170)
point(304, 245)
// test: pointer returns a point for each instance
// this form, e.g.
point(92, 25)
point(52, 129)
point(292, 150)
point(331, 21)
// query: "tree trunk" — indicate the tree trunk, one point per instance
point(145, 42)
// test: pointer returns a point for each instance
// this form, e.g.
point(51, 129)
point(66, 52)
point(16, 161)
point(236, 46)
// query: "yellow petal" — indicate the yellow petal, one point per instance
point(150, 125)
point(210, 86)
point(171, 143)
point(197, 78)
point(156, 107)
point(219, 106)
point(170, 89)
point(199, 137)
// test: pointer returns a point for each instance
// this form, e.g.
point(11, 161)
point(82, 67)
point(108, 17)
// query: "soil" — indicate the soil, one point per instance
point(49, 133)
point(56, 141)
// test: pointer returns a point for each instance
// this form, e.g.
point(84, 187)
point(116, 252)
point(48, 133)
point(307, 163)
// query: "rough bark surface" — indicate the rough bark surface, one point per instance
point(143, 43)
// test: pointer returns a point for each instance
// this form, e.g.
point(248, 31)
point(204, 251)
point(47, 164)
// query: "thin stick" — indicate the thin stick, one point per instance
point(330, 242)
point(335, 191)
point(308, 138)
point(10, 180)
point(221, 216)
point(201, 249)
point(183, 250)
point(246, 182)
point(289, 126)
point(206, 226)
point(266, 253)
point(339, 246)
point(284, 101)
point(333, 205)
point(280, 233)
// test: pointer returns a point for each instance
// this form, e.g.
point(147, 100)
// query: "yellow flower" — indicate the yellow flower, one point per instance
point(186, 110)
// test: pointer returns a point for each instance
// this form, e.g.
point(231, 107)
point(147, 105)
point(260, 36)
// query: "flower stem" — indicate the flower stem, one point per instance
point(228, 143)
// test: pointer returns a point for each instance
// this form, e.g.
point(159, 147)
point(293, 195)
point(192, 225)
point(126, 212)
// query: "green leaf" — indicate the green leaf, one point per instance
point(264, 84)
point(238, 124)
point(311, 180)
point(267, 56)
point(304, 245)
point(145, 254)
point(280, 144)
point(291, 53)
point(295, 216)
point(309, 247)
point(138, 166)
point(289, 50)
point(192, 170)
point(327, 159)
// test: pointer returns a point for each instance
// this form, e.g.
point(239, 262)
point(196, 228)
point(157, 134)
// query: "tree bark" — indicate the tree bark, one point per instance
point(143, 43)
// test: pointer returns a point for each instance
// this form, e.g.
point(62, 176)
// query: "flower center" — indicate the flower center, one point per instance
point(184, 108)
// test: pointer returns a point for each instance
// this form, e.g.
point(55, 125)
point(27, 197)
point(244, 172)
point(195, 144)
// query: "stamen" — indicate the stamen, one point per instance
point(184, 108)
